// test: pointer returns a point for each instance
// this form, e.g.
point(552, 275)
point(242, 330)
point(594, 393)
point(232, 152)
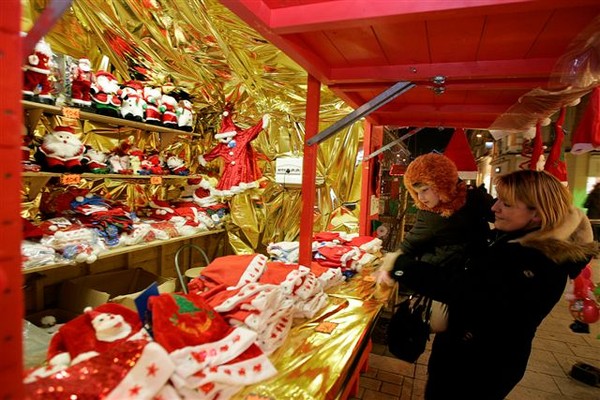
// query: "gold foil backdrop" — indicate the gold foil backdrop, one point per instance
point(202, 48)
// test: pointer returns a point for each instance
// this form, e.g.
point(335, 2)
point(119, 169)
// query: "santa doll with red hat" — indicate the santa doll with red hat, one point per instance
point(61, 151)
point(95, 331)
point(36, 73)
point(105, 94)
point(240, 170)
point(81, 83)
point(169, 115)
point(154, 107)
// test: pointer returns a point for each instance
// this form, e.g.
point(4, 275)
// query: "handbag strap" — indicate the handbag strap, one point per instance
point(425, 302)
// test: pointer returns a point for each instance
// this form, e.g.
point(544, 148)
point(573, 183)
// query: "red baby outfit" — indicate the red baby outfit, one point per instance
point(240, 170)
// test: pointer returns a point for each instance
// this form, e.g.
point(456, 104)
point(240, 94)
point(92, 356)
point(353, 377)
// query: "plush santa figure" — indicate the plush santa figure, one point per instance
point(240, 170)
point(177, 166)
point(154, 108)
point(82, 77)
point(169, 116)
point(105, 94)
point(133, 105)
point(95, 161)
point(185, 116)
point(36, 72)
point(95, 331)
point(61, 151)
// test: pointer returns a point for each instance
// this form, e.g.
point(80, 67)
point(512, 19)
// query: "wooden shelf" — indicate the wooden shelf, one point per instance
point(87, 175)
point(124, 250)
point(90, 116)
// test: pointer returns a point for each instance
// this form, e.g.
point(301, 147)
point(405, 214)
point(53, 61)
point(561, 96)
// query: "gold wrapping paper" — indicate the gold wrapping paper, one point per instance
point(202, 48)
point(314, 365)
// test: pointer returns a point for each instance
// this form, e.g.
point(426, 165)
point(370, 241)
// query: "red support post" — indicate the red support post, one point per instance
point(364, 225)
point(11, 297)
point(373, 139)
point(309, 171)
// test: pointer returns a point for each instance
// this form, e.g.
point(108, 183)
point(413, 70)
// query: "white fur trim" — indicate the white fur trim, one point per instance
point(192, 359)
point(244, 373)
point(225, 135)
point(372, 246)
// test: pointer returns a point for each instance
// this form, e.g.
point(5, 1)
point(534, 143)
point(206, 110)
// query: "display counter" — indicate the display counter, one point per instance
point(323, 357)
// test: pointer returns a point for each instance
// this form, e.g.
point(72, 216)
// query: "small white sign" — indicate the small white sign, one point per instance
point(288, 170)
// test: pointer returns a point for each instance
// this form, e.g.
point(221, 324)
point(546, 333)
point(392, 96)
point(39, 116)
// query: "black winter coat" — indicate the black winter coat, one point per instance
point(495, 305)
point(446, 240)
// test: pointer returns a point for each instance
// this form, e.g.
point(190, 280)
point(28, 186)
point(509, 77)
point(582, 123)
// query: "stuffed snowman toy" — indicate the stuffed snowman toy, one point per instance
point(61, 151)
point(185, 116)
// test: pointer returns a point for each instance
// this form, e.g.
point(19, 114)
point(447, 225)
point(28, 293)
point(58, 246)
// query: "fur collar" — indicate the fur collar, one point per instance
point(572, 240)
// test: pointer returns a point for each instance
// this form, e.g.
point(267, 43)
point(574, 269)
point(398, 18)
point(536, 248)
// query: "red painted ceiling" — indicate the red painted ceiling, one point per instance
point(490, 52)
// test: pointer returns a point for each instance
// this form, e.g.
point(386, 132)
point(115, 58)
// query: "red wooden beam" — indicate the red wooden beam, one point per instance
point(11, 277)
point(257, 15)
point(538, 68)
point(373, 138)
point(467, 121)
point(452, 84)
point(326, 15)
point(309, 171)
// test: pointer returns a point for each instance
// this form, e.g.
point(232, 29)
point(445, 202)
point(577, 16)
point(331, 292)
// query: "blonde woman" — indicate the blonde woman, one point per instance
point(496, 303)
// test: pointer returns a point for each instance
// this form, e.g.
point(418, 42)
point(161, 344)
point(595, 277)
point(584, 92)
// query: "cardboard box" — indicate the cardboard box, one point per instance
point(61, 316)
point(119, 287)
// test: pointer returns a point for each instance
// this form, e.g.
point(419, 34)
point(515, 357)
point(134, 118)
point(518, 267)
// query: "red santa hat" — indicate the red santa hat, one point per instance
point(30, 230)
point(85, 64)
point(234, 270)
point(587, 135)
point(105, 74)
point(180, 320)
point(555, 163)
point(58, 202)
point(228, 128)
point(62, 128)
point(43, 47)
point(136, 85)
point(95, 331)
point(134, 369)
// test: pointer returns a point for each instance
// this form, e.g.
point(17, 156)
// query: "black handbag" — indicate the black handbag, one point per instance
point(408, 329)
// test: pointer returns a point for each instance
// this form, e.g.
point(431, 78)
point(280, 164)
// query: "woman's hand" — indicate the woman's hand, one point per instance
point(382, 275)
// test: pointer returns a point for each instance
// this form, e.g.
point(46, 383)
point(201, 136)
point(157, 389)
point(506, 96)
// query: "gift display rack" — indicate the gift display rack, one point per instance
point(33, 111)
point(124, 249)
point(122, 256)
